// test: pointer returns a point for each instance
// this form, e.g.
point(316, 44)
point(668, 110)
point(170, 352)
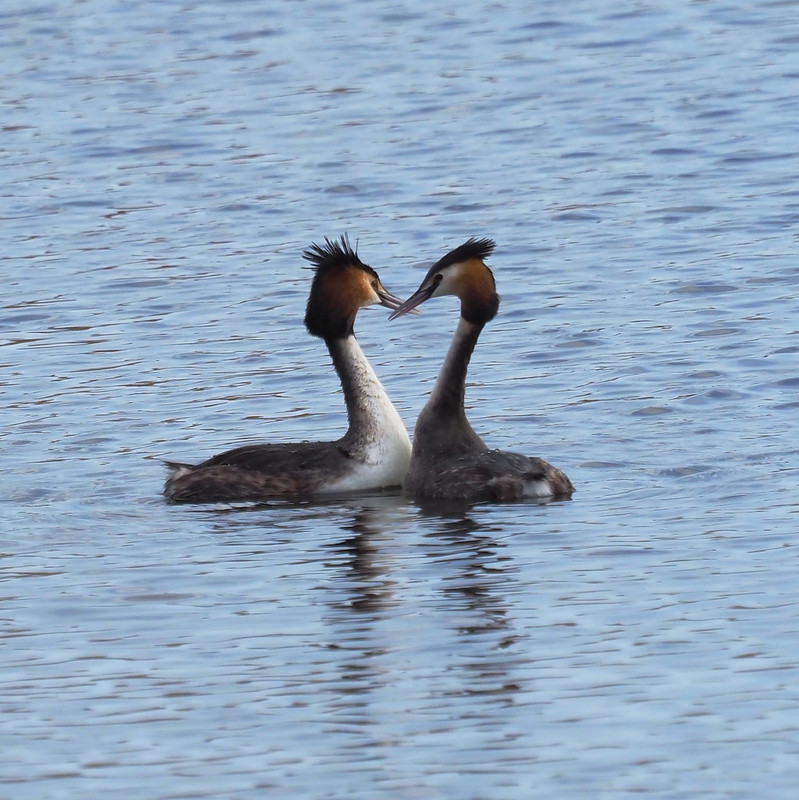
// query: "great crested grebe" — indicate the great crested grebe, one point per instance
point(374, 452)
point(449, 460)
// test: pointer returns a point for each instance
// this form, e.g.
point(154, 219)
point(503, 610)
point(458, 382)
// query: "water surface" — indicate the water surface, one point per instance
point(164, 166)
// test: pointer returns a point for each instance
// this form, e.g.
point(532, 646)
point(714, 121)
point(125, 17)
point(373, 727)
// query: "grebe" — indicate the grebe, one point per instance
point(449, 460)
point(374, 452)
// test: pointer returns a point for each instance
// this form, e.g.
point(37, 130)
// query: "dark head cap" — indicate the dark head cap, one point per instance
point(342, 285)
point(461, 272)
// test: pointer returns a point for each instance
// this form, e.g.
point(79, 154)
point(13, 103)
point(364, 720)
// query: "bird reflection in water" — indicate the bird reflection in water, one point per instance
point(441, 587)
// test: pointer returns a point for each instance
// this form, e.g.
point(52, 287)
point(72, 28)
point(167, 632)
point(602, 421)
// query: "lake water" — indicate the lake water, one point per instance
point(165, 163)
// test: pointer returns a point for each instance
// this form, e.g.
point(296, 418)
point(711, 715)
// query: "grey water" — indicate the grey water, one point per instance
point(165, 163)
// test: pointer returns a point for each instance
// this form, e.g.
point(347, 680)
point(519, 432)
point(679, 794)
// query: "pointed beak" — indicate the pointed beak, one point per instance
point(424, 292)
point(387, 299)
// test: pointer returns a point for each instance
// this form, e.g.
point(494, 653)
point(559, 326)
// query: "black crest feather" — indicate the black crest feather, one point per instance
point(472, 248)
point(330, 312)
point(336, 253)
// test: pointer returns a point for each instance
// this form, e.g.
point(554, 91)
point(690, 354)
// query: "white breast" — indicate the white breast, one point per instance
point(380, 445)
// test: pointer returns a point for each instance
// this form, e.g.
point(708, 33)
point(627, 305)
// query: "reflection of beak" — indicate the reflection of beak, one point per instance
point(387, 299)
point(416, 299)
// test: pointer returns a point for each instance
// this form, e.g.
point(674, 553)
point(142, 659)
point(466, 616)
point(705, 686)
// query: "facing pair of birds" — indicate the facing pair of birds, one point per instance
point(448, 460)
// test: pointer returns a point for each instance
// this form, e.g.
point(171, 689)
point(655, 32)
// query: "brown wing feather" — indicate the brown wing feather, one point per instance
point(493, 475)
point(258, 472)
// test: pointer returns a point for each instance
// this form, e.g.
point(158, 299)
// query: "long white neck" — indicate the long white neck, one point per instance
point(376, 435)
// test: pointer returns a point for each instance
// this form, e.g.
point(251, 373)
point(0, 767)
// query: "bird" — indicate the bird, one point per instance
point(449, 460)
point(374, 453)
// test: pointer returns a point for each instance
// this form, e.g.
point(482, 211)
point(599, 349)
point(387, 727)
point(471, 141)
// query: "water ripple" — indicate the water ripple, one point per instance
point(165, 165)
